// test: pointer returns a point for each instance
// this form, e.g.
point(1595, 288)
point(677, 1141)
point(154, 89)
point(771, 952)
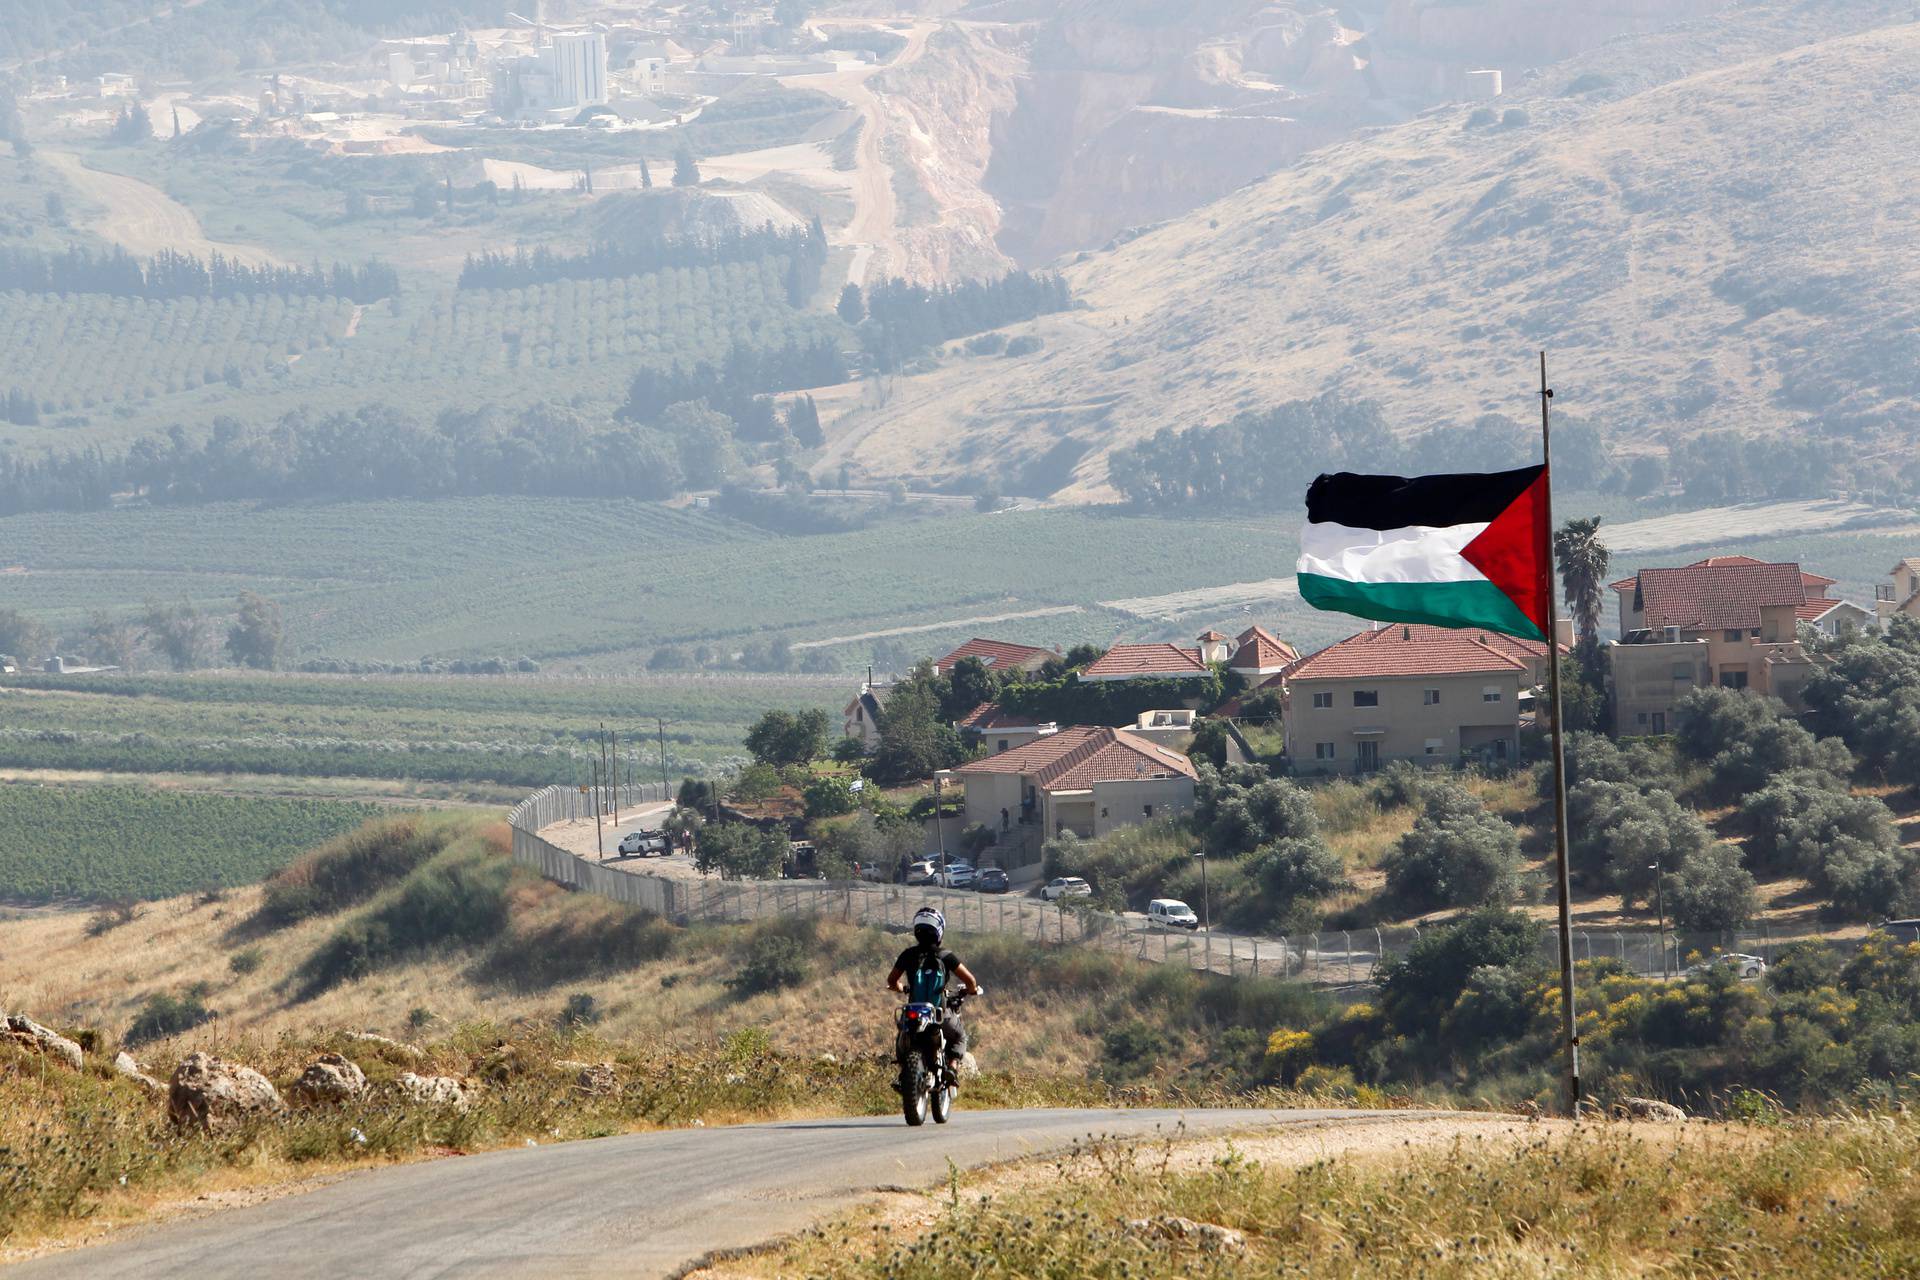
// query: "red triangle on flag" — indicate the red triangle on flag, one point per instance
point(1512, 552)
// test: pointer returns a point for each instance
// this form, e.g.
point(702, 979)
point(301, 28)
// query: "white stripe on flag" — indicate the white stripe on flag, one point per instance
point(1417, 553)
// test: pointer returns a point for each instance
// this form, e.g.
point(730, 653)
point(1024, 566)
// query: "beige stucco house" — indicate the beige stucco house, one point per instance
point(1000, 730)
point(1087, 780)
point(1902, 594)
point(1731, 621)
point(861, 719)
point(1432, 695)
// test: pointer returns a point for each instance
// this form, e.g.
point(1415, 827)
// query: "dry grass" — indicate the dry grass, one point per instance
point(1813, 1199)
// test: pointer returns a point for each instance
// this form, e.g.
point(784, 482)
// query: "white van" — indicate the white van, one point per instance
point(1171, 913)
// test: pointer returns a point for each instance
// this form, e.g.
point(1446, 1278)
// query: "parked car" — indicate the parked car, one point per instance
point(803, 861)
point(1171, 913)
point(958, 875)
point(1743, 966)
point(645, 844)
point(992, 880)
point(921, 872)
point(1066, 887)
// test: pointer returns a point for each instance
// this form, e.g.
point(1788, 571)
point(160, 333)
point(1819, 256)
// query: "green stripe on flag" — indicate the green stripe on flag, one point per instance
point(1444, 604)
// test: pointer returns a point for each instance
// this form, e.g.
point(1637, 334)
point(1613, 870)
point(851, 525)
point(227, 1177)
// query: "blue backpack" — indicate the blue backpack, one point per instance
point(927, 980)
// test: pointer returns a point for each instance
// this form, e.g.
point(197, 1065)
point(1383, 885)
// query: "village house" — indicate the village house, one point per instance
point(1432, 695)
point(1258, 654)
point(1088, 780)
point(1151, 662)
point(1902, 594)
point(1000, 657)
point(1731, 621)
point(999, 730)
point(861, 718)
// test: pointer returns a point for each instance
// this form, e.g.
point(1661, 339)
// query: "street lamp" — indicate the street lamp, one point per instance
point(1660, 898)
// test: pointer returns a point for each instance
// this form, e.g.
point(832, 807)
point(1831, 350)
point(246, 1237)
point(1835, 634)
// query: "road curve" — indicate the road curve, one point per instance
point(641, 1205)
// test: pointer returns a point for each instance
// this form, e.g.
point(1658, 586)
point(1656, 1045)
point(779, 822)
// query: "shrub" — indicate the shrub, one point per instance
point(1712, 892)
point(111, 916)
point(582, 937)
point(1621, 835)
point(1293, 872)
point(350, 869)
point(740, 851)
point(828, 798)
point(1457, 854)
point(986, 344)
point(776, 953)
point(1419, 987)
point(580, 1010)
point(459, 899)
point(245, 962)
point(849, 750)
point(755, 783)
point(1747, 740)
point(166, 1015)
point(1132, 1048)
point(1024, 345)
point(977, 839)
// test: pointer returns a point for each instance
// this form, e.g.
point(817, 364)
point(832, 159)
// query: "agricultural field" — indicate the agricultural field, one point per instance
point(476, 733)
point(77, 353)
point(65, 843)
point(157, 363)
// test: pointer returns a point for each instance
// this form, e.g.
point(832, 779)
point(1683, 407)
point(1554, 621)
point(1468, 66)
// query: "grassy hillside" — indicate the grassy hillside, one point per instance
point(1700, 241)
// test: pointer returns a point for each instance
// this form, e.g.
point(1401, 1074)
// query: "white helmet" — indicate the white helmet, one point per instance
point(931, 918)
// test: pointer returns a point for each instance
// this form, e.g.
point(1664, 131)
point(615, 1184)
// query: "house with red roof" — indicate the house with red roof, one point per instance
point(1087, 779)
point(1902, 594)
point(1000, 656)
point(1148, 662)
point(1432, 695)
point(1258, 653)
point(998, 729)
point(1731, 621)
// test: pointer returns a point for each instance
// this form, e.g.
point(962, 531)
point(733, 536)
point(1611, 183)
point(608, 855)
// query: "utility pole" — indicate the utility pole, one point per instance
point(1569, 1026)
point(1660, 897)
point(613, 744)
point(662, 724)
point(599, 841)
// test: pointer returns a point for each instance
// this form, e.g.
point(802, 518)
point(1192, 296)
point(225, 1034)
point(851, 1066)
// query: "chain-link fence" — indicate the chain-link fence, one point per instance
point(1330, 958)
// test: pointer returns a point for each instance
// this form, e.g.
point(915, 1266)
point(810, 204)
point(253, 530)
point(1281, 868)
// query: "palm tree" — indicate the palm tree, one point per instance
point(1583, 568)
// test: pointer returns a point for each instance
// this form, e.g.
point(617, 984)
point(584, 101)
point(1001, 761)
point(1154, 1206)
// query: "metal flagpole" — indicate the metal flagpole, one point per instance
point(1568, 1025)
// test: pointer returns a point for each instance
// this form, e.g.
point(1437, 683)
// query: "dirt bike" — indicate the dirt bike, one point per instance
point(928, 1082)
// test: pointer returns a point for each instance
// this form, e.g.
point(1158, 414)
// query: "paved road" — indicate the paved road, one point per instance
point(646, 1205)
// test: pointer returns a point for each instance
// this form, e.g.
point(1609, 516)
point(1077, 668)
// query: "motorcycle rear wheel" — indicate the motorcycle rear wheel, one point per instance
point(913, 1091)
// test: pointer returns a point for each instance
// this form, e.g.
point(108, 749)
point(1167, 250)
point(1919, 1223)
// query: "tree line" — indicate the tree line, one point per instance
point(898, 319)
point(379, 451)
point(170, 274)
point(1264, 459)
point(739, 384)
point(805, 249)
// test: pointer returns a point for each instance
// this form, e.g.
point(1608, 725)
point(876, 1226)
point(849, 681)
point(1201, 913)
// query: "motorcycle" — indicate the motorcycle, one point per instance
point(928, 1082)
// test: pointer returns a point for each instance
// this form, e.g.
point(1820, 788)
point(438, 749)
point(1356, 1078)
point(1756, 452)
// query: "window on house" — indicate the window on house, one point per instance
point(1366, 697)
point(1147, 809)
point(1659, 722)
point(1430, 697)
point(1490, 693)
point(1732, 635)
point(1323, 700)
point(1103, 811)
point(1732, 678)
point(1433, 746)
point(1683, 671)
point(1323, 751)
point(1003, 745)
point(1641, 718)
point(1755, 633)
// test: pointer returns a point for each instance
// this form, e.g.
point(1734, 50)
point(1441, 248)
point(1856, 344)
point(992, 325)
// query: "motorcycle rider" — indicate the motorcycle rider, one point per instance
point(922, 973)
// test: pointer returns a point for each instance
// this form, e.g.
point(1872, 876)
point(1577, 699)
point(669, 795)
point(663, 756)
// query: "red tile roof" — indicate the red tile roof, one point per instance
point(1075, 759)
point(1210, 634)
point(988, 715)
point(1809, 580)
point(1416, 650)
point(999, 655)
point(1715, 594)
point(1260, 650)
point(1134, 661)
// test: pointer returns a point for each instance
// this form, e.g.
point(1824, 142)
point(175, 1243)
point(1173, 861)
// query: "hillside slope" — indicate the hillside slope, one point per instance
point(1718, 249)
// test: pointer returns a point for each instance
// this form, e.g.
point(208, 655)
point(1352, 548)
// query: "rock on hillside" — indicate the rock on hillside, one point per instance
point(1728, 248)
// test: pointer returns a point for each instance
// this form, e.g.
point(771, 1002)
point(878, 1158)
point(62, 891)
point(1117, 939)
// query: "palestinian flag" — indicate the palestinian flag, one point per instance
point(1454, 551)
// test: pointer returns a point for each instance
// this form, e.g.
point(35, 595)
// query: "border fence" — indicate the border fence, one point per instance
point(1330, 958)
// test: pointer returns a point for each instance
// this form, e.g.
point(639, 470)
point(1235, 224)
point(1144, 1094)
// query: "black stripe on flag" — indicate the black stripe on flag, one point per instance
point(1394, 502)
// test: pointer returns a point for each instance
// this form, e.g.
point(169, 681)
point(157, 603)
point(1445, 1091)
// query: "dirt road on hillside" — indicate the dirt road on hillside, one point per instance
point(141, 218)
point(873, 229)
point(643, 1205)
